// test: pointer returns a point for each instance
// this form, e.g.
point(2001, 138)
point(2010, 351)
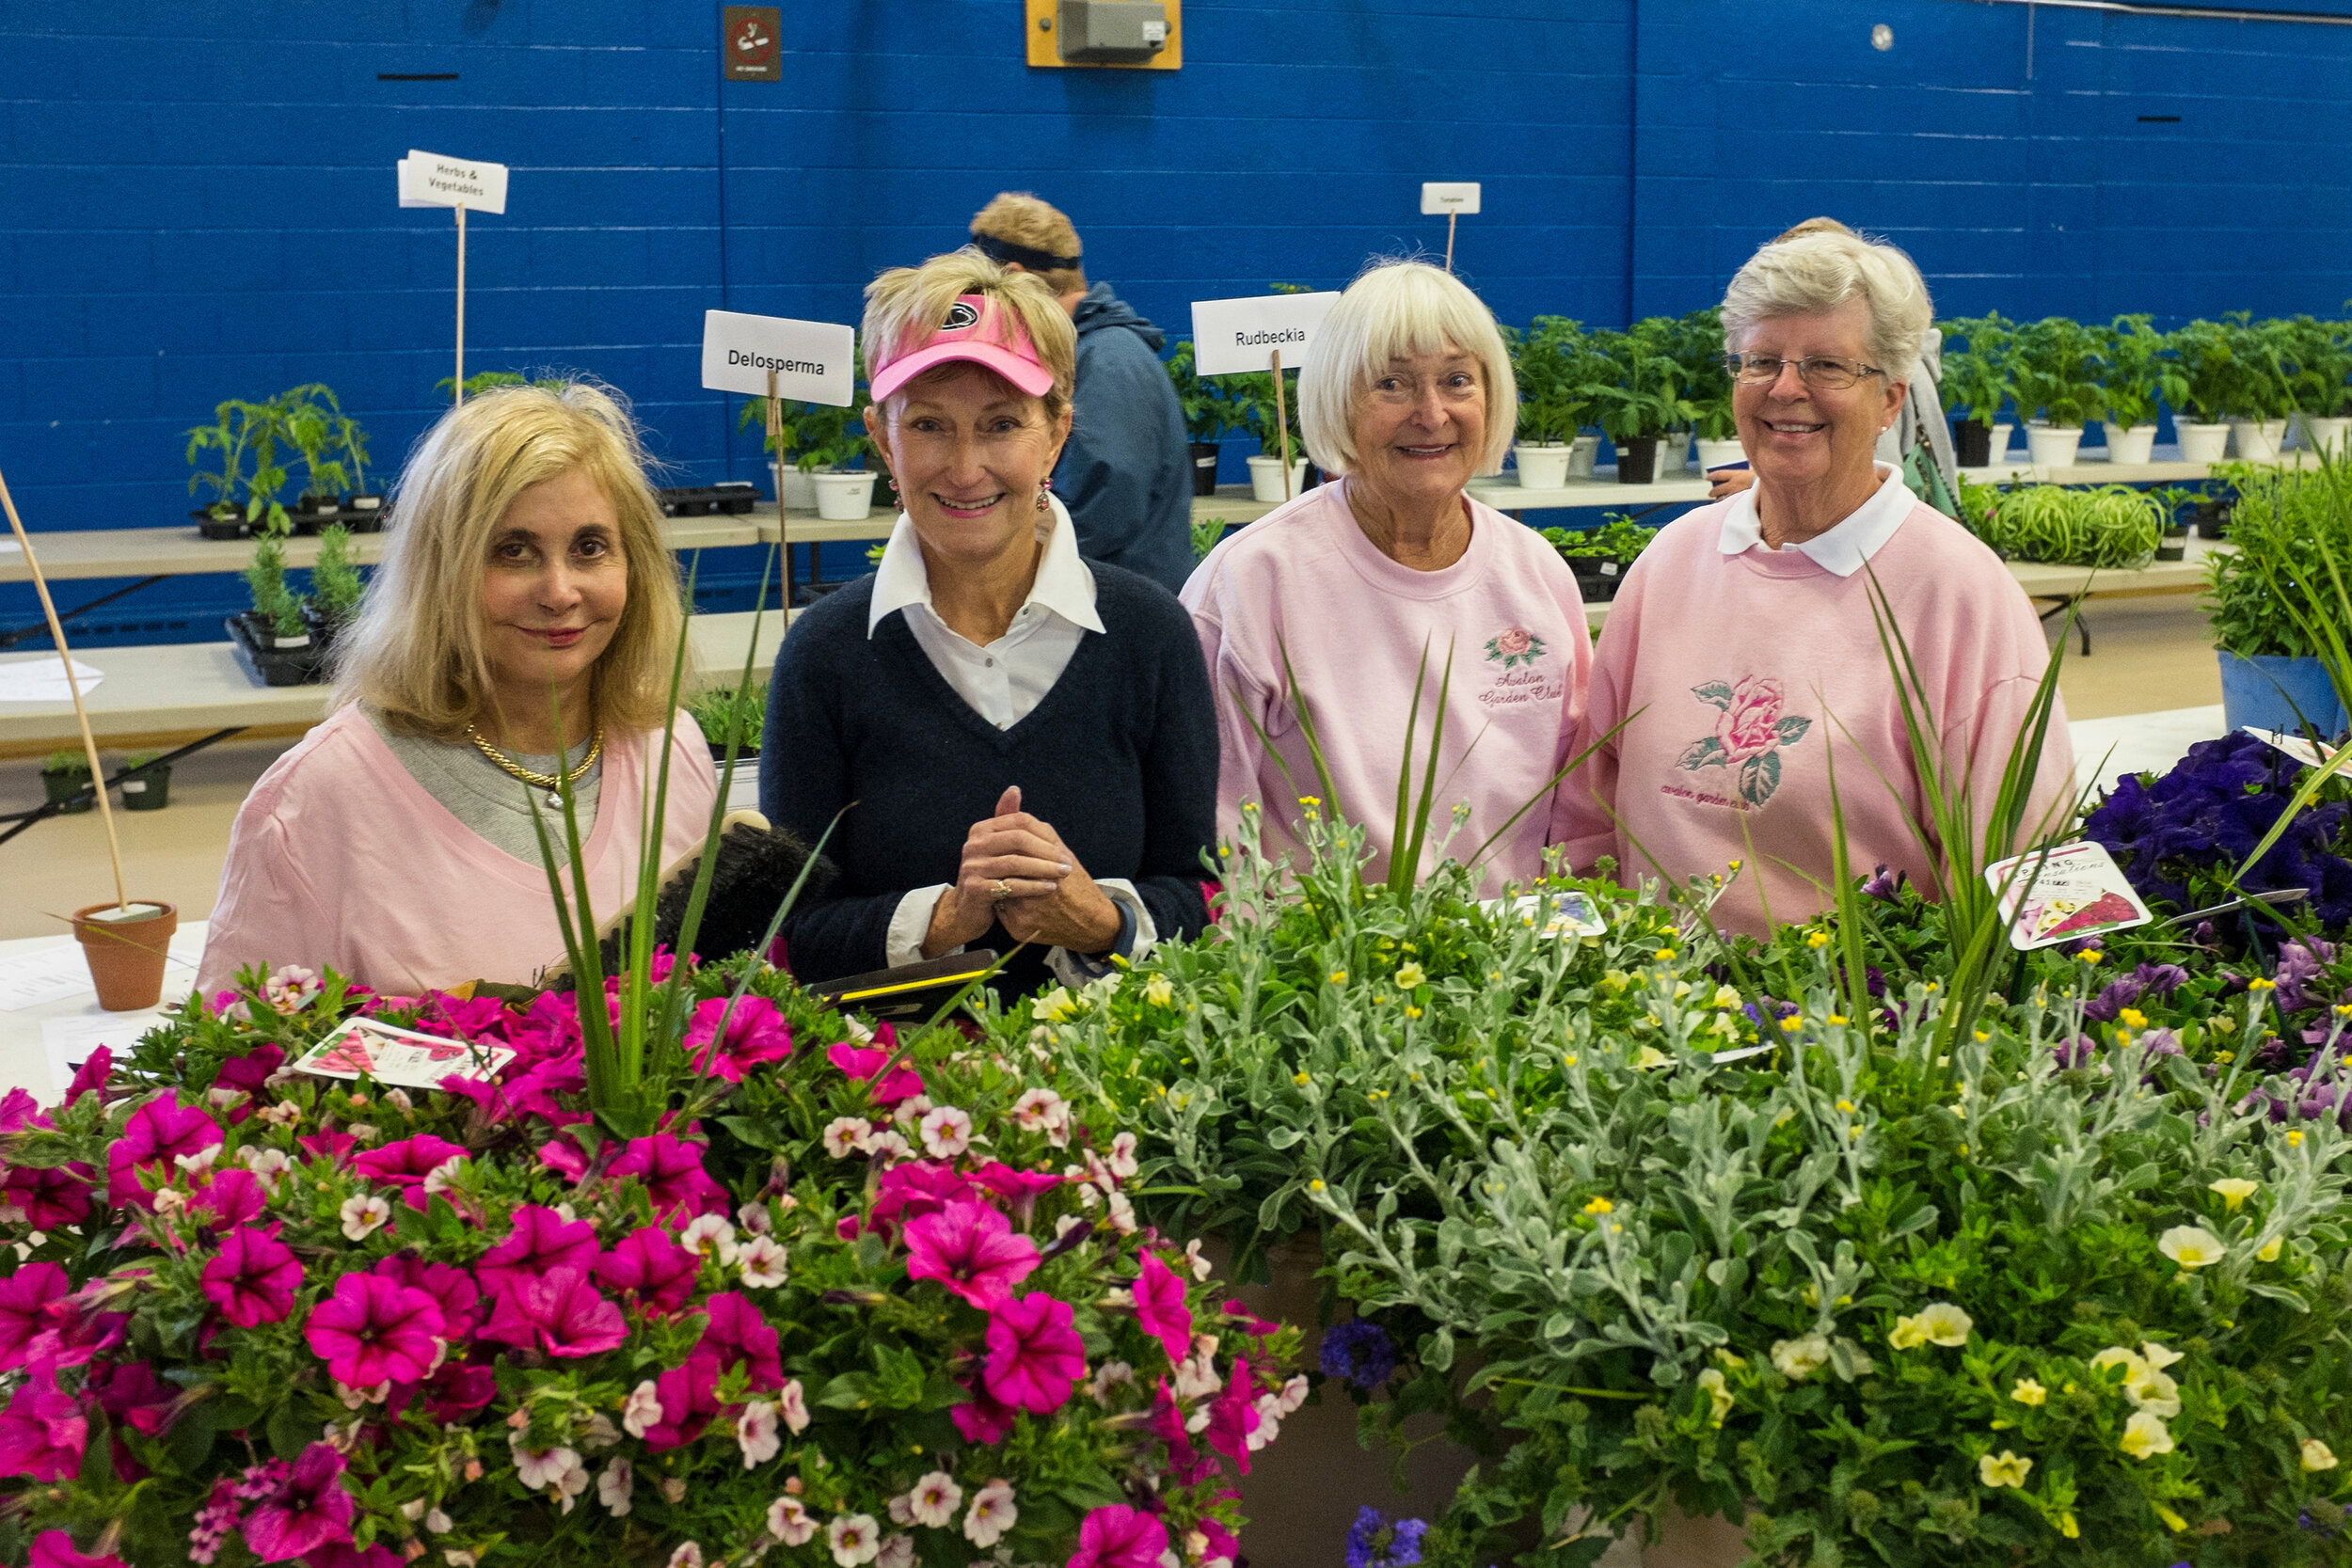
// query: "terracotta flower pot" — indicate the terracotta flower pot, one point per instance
point(126, 958)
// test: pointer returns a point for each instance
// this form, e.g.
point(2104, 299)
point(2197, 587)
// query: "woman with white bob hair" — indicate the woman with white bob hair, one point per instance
point(522, 626)
point(1349, 588)
point(1742, 650)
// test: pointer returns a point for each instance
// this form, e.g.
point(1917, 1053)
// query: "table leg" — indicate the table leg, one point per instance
point(2060, 604)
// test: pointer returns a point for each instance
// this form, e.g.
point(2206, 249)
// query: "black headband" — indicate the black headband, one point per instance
point(1036, 261)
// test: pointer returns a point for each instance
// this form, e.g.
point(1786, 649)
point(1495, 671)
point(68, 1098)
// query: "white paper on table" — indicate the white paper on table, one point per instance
point(42, 679)
point(9, 547)
point(56, 974)
point(71, 1040)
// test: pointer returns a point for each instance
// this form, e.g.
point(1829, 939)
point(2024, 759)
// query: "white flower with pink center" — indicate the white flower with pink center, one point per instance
point(946, 1133)
point(935, 1499)
point(756, 1433)
point(853, 1538)
point(642, 1409)
point(790, 1522)
point(991, 1513)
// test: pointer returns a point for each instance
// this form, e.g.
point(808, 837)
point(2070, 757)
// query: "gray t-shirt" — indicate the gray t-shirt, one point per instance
point(488, 799)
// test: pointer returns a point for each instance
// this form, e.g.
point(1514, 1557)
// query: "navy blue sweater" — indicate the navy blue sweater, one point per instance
point(1120, 757)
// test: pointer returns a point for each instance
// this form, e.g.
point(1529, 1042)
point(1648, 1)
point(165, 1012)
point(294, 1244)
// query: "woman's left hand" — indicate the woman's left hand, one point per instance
point(1077, 914)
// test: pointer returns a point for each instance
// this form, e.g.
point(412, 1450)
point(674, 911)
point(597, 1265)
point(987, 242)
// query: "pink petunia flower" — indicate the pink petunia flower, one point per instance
point(651, 1266)
point(984, 1420)
point(862, 1064)
point(342, 1554)
point(25, 1300)
point(1119, 1537)
point(1160, 1307)
point(159, 1132)
point(51, 1198)
point(371, 1331)
point(452, 1289)
point(248, 1074)
point(20, 1110)
point(133, 1396)
point(1021, 1188)
point(253, 1279)
point(231, 1199)
point(913, 1188)
point(309, 1508)
point(43, 1431)
point(738, 1330)
point(560, 1313)
point(456, 1389)
point(541, 1240)
point(406, 1163)
point(564, 1158)
point(673, 1173)
point(756, 1033)
point(1186, 1466)
point(54, 1548)
point(689, 1397)
point(90, 1077)
point(1035, 1357)
point(1233, 1416)
point(971, 1249)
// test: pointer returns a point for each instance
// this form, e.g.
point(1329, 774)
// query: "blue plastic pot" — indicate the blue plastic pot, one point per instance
point(2274, 693)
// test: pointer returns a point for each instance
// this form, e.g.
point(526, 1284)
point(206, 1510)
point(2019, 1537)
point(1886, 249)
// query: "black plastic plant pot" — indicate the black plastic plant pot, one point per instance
point(1597, 580)
point(231, 526)
point(1972, 443)
point(744, 756)
point(2172, 544)
point(323, 631)
point(2213, 520)
point(149, 789)
point(1204, 456)
point(270, 664)
point(364, 514)
point(70, 792)
point(731, 499)
point(1637, 459)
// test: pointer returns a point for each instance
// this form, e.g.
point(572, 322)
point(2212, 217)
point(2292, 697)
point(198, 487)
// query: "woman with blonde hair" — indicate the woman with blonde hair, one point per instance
point(1357, 584)
point(521, 626)
point(1024, 735)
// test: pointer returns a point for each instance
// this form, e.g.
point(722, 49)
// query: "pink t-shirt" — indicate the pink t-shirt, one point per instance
point(340, 858)
point(1354, 624)
point(1744, 671)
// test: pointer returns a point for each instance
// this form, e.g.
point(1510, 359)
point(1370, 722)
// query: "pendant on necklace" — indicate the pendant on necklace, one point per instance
point(555, 800)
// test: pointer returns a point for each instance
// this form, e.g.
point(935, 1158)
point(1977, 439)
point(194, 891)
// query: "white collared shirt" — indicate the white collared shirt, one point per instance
point(1844, 546)
point(1003, 682)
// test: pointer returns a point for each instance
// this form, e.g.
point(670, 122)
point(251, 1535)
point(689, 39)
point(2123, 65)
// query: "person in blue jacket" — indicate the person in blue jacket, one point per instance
point(1126, 474)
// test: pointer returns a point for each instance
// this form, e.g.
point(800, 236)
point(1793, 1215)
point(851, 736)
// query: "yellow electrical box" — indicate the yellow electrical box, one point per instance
point(1048, 25)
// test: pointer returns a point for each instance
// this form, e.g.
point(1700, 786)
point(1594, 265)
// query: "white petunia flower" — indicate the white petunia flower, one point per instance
point(792, 1406)
point(1797, 1359)
point(790, 1522)
point(363, 1216)
point(935, 1499)
point(709, 1235)
point(756, 1433)
point(539, 1469)
point(846, 1135)
point(761, 1262)
point(617, 1485)
point(642, 1409)
point(991, 1513)
point(946, 1133)
point(854, 1538)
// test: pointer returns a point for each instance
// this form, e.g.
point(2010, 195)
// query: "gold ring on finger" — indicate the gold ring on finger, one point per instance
point(1002, 891)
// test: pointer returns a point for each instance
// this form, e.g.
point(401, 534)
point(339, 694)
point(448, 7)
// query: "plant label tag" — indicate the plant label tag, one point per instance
point(1553, 915)
point(430, 179)
point(369, 1047)
point(1232, 337)
point(2063, 893)
point(1449, 196)
point(2301, 747)
point(814, 361)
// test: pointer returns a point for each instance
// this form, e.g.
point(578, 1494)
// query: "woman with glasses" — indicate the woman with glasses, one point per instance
point(1744, 659)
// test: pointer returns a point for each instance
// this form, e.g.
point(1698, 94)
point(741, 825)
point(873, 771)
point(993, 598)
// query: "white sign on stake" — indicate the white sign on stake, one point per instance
point(813, 361)
point(430, 179)
point(1449, 196)
point(1230, 336)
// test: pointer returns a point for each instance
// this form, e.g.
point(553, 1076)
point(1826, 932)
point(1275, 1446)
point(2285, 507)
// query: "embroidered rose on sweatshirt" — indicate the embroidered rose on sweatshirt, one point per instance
point(1515, 645)
point(1749, 734)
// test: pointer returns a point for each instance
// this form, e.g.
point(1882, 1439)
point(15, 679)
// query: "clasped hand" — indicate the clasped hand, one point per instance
point(1016, 869)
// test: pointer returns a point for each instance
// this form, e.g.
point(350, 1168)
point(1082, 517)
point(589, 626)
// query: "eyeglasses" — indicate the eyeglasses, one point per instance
point(1824, 372)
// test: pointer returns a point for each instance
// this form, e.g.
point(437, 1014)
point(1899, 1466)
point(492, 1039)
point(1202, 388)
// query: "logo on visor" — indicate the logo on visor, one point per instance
point(961, 318)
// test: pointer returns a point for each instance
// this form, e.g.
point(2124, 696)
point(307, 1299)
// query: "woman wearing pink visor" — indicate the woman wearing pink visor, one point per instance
point(1027, 736)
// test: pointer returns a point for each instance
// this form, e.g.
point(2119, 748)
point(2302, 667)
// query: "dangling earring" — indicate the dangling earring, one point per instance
point(1044, 490)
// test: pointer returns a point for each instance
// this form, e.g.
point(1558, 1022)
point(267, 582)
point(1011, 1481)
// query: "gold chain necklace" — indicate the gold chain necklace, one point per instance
point(547, 782)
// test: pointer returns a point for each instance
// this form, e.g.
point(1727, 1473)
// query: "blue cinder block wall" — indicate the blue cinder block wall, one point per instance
point(197, 198)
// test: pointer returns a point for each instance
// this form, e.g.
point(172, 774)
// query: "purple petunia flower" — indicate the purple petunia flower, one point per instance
point(1359, 1352)
point(1374, 1543)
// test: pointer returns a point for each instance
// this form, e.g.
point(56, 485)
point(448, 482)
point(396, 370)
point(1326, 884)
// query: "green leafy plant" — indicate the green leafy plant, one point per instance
point(2321, 355)
point(731, 715)
point(245, 435)
point(1206, 534)
point(2057, 372)
point(1697, 345)
point(65, 762)
point(2266, 388)
point(482, 381)
point(814, 438)
point(2139, 374)
point(1619, 539)
point(311, 414)
point(1643, 396)
point(2274, 591)
point(1976, 380)
point(335, 584)
point(1552, 363)
point(1208, 413)
point(273, 603)
point(2111, 526)
point(2209, 365)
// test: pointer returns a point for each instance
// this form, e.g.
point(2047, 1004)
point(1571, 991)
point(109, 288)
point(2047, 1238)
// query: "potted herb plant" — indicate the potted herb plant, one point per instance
point(2210, 367)
point(1252, 397)
point(2265, 387)
point(2139, 375)
point(1699, 349)
point(146, 782)
point(1975, 385)
point(272, 635)
point(1601, 557)
point(309, 418)
point(1546, 361)
point(2179, 506)
point(2320, 373)
point(334, 590)
point(244, 487)
point(2109, 526)
point(1207, 415)
point(726, 715)
point(2056, 374)
point(363, 509)
point(2274, 599)
point(1643, 399)
point(64, 780)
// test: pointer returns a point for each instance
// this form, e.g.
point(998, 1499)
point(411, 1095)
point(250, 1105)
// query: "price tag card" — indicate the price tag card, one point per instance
point(1554, 915)
point(403, 1057)
point(431, 179)
point(814, 361)
point(2074, 889)
point(1230, 336)
point(2301, 748)
point(1449, 196)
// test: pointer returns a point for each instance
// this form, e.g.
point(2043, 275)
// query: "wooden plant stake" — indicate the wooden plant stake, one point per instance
point(81, 715)
point(1283, 417)
point(460, 394)
point(1450, 218)
point(775, 464)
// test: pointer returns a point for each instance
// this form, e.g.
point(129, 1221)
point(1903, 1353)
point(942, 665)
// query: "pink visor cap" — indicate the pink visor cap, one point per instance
point(978, 329)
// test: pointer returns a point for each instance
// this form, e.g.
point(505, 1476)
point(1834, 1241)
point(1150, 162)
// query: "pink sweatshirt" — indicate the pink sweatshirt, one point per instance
point(1744, 671)
point(1304, 577)
point(340, 857)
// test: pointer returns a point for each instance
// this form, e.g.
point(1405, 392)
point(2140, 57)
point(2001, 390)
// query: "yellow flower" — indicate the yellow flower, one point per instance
point(1665, 955)
point(2316, 1455)
point(2094, 956)
point(2069, 1527)
point(1726, 997)
point(1908, 1334)
point(1599, 1206)
point(1158, 991)
point(2007, 1469)
point(2295, 1139)
point(1410, 977)
point(1412, 1012)
point(2192, 1246)
point(2029, 1392)
point(1797, 1359)
point(1792, 1023)
point(1817, 939)
point(2172, 1520)
point(2145, 1436)
point(1302, 1079)
point(1339, 976)
point(1652, 1056)
point(2268, 1252)
point(1712, 1381)
point(1315, 1185)
point(1945, 1324)
point(1847, 1106)
point(2259, 984)
point(1836, 1017)
point(1058, 1005)
point(2234, 1190)
point(2131, 1018)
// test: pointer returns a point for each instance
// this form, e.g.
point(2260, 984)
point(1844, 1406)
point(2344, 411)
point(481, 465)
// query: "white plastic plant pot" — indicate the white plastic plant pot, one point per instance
point(2053, 446)
point(1582, 454)
point(2259, 440)
point(1998, 445)
point(1714, 454)
point(1543, 465)
point(2322, 432)
point(800, 490)
point(1265, 478)
point(2201, 443)
point(2130, 444)
point(845, 498)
